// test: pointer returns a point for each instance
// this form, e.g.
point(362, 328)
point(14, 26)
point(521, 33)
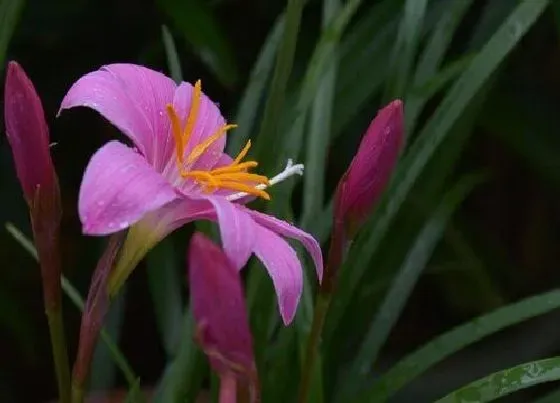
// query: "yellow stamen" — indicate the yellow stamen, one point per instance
point(242, 176)
point(193, 112)
point(176, 129)
point(241, 187)
point(243, 153)
point(234, 176)
point(236, 168)
point(202, 147)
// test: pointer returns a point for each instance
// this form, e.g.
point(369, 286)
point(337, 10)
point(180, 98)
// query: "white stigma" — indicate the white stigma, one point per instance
point(290, 170)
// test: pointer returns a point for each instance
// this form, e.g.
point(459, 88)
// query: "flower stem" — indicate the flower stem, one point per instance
point(60, 355)
point(319, 314)
point(228, 389)
point(77, 393)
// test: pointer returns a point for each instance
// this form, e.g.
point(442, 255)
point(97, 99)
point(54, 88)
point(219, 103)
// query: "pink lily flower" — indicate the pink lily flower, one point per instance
point(222, 325)
point(177, 172)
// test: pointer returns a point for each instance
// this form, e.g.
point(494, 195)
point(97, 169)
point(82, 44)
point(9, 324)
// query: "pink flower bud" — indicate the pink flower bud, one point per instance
point(371, 168)
point(28, 134)
point(221, 315)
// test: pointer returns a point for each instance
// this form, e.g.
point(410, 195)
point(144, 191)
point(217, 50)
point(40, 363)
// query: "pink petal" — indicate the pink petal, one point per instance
point(27, 133)
point(287, 230)
point(219, 306)
point(237, 230)
point(118, 188)
point(131, 97)
point(283, 267)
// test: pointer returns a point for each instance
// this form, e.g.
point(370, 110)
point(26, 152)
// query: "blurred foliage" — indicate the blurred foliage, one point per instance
point(481, 82)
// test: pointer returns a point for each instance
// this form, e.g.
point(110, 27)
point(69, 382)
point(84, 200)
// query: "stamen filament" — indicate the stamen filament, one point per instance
point(248, 190)
point(176, 130)
point(235, 168)
point(241, 176)
point(200, 148)
point(243, 153)
point(193, 112)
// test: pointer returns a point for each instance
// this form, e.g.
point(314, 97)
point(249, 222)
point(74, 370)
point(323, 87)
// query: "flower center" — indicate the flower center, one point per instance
point(234, 176)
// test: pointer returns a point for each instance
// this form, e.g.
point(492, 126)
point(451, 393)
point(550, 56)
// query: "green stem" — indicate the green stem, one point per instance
point(319, 314)
point(60, 355)
point(77, 393)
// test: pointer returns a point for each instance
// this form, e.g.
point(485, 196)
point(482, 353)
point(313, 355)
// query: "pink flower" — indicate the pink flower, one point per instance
point(177, 172)
point(221, 316)
point(365, 179)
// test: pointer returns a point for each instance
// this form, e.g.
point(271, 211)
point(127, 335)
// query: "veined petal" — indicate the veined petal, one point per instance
point(284, 268)
point(287, 230)
point(118, 188)
point(131, 97)
point(237, 230)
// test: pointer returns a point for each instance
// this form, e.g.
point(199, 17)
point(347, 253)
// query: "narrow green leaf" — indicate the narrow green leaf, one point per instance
point(320, 125)
point(78, 301)
point(272, 110)
point(432, 56)
point(172, 56)
point(254, 92)
point(10, 11)
point(403, 284)
point(507, 381)
point(165, 286)
point(183, 377)
point(406, 47)
point(422, 150)
point(456, 339)
point(204, 33)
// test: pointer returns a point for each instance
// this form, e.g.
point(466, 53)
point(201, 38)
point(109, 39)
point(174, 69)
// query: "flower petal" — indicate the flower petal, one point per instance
point(118, 188)
point(287, 230)
point(237, 230)
point(283, 267)
point(131, 97)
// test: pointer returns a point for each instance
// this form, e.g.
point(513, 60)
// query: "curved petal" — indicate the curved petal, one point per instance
point(237, 230)
point(283, 267)
point(285, 229)
point(118, 188)
point(131, 97)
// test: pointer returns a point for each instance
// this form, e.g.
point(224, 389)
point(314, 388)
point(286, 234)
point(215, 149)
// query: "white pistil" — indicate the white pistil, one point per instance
point(290, 170)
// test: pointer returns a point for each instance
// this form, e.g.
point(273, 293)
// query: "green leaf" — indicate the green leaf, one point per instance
point(422, 150)
point(456, 339)
point(74, 296)
point(173, 61)
point(320, 125)
point(10, 11)
point(204, 33)
point(275, 102)
point(254, 92)
point(432, 56)
point(165, 285)
point(406, 46)
point(183, 377)
point(505, 382)
point(403, 284)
